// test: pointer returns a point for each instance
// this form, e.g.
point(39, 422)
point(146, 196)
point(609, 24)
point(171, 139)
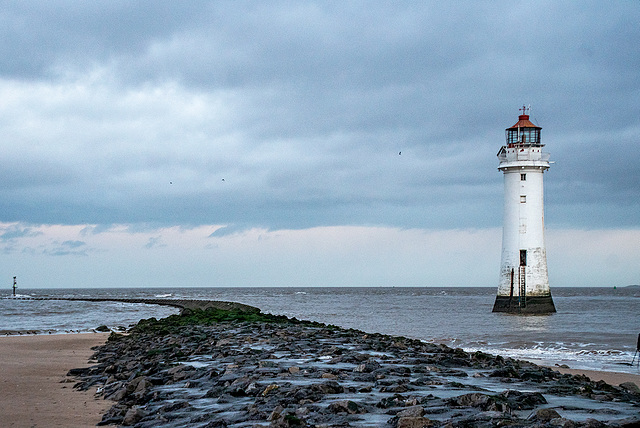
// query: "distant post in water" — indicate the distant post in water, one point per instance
point(524, 281)
point(14, 285)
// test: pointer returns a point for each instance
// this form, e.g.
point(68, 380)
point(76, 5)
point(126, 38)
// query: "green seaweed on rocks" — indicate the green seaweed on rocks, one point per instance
point(212, 316)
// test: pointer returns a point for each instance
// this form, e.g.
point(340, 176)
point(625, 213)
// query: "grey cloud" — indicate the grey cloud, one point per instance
point(65, 252)
point(303, 108)
point(18, 231)
point(73, 244)
point(154, 242)
point(66, 248)
point(228, 230)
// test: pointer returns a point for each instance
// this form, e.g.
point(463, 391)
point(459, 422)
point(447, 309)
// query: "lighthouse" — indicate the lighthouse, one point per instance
point(524, 282)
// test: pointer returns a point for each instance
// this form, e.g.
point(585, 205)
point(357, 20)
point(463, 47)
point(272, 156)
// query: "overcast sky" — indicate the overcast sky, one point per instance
point(311, 143)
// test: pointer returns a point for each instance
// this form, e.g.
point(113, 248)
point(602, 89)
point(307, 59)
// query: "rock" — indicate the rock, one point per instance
point(593, 423)
point(508, 372)
point(306, 394)
point(545, 415)
point(223, 342)
point(396, 400)
point(114, 415)
point(133, 416)
point(119, 394)
point(253, 389)
point(562, 422)
point(367, 367)
point(631, 387)
point(180, 372)
point(478, 400)
point(397, 388)
point(411, 412)
point(142, 385)
point(631, 422)
point(302, 411)
point(288, 420)
point(535, 375)
point(523, 400)
point(330, 387)
point(269, 389)
point(275, 413)
point(79, 372)
point(240, 386)
point(180, 405)
point(346, 406)
point(413, 422)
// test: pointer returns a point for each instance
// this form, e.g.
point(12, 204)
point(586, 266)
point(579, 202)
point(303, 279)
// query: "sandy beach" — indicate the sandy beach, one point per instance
point(35, 391)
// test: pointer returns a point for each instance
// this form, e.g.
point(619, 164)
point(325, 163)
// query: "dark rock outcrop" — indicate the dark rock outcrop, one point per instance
point(236, 368)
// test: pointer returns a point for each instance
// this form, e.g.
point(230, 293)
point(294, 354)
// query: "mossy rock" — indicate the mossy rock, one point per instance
point(213, 316)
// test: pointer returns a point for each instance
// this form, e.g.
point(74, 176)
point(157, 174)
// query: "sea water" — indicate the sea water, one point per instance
point(594, 328)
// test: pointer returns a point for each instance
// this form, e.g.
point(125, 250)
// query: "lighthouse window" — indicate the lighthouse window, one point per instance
point(523, 177)
point(523, 199)
point(523, 257)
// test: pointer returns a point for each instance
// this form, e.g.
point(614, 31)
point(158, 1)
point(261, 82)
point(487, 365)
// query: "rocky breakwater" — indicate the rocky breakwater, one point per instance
point(182, 304)
point(218, 368)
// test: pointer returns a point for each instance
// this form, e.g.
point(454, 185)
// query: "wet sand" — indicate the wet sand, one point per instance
point(34, 389)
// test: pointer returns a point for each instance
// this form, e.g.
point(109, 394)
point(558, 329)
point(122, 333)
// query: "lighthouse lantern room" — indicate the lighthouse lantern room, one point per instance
point(524, 282)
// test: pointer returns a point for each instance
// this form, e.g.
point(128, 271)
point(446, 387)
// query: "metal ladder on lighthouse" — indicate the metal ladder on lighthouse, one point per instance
point(522, 301)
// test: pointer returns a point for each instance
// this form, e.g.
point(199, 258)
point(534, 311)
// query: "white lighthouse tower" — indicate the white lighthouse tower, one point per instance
point(524, 282)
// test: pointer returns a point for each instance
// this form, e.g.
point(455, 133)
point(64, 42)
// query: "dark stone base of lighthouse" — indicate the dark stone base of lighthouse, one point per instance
point(531, 305)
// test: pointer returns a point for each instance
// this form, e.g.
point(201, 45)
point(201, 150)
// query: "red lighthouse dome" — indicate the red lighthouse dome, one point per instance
point(523, 132)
